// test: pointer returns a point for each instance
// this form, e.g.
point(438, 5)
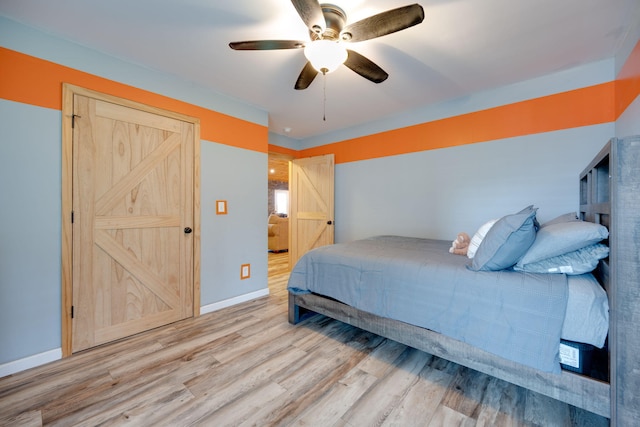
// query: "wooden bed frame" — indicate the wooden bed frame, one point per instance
point(610, 195)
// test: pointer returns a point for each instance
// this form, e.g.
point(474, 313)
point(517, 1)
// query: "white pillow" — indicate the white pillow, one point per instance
point(477, 238)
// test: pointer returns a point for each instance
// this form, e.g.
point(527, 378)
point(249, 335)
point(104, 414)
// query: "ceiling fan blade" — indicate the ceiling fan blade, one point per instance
point(306, 76)
point(365, 67)
point(311, 14)
point(267, 44)
point(383, 23)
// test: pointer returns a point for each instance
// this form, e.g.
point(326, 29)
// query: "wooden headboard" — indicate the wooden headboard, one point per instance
point(595, 202)
point(610, 195)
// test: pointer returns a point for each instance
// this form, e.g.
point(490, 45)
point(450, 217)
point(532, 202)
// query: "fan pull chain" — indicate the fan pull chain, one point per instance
point(324, 100)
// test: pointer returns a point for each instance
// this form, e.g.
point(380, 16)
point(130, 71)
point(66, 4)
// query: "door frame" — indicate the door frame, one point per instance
point(68, 92)
point(298, 164)
point(280, 156)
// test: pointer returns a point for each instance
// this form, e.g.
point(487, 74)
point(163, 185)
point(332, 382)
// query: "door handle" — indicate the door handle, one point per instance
point(187, 230)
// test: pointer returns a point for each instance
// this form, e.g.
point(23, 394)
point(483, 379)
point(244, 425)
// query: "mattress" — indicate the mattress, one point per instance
point(587, 317)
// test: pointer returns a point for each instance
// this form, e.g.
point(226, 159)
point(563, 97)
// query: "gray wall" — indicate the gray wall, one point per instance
point(30, 227)
point(240, 177)
point(439, 193)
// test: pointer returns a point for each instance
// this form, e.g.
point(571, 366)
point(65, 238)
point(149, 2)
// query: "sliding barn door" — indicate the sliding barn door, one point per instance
point(311, 210)
point(133, 217)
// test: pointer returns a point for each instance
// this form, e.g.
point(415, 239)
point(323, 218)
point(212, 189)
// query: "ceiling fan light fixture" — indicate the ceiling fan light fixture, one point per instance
point(325, 55)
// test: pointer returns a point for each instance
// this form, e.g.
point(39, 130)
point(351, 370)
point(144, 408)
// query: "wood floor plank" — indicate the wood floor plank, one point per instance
point(55, 388)
point(246, 365)
point(305, 382)
point(243, 374)
point(24, 419)
point(321, 330)
point(208, 325)
point(340, 397)
point(502, 404)
point(278, 263)
point(153, 412)
point(466, 392)
point(235, 385)
point(580, 417)
point(381, 359)
point(126, 390)
point(310, 379)
point(419, 405)
point(448, 417)
point(128, 398)
point(544, 411)
point(187, 350)
point(376, 405)
point(277, 337)
point(244, 410)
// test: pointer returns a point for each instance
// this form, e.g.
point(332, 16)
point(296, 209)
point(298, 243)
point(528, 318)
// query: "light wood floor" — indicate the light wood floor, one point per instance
point(245, 365)
point(278, 263)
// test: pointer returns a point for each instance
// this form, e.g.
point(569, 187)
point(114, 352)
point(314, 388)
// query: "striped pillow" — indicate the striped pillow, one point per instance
point(477, 238)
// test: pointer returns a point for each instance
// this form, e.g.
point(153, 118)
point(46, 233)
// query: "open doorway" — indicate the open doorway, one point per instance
point(278, 213)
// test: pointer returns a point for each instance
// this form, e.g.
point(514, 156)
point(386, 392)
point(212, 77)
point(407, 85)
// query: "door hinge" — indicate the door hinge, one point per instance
point(72, 312)
point(72, 217)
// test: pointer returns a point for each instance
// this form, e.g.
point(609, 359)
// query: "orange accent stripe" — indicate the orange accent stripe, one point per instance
point(283, 150)
point(628, 81)
point(576, 108)
point(34, 81)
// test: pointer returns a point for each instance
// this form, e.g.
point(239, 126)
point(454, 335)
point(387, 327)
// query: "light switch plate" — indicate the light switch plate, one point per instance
point(245, 271)
point(221, 207)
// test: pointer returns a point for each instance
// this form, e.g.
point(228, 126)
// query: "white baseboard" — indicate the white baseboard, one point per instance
point(30, 362)
point(233, 301)
point(56, 354)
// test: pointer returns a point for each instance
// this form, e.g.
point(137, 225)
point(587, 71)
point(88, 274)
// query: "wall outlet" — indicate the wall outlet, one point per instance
point(245, 271)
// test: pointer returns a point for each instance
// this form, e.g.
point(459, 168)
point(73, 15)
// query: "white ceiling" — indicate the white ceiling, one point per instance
point(462, 47)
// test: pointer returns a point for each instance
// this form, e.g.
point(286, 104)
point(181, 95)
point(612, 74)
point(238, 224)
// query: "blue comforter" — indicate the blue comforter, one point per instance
point(515, 315)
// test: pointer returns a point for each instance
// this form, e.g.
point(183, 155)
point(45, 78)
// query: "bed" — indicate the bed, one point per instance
point(518, 339)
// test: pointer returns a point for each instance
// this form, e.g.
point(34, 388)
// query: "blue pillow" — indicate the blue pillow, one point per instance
point(561, 238)
point(568, 217)
point(507, 241)
point(584, 260)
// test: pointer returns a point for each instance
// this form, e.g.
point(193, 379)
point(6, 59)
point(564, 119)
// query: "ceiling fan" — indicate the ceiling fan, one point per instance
point(328, 32)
